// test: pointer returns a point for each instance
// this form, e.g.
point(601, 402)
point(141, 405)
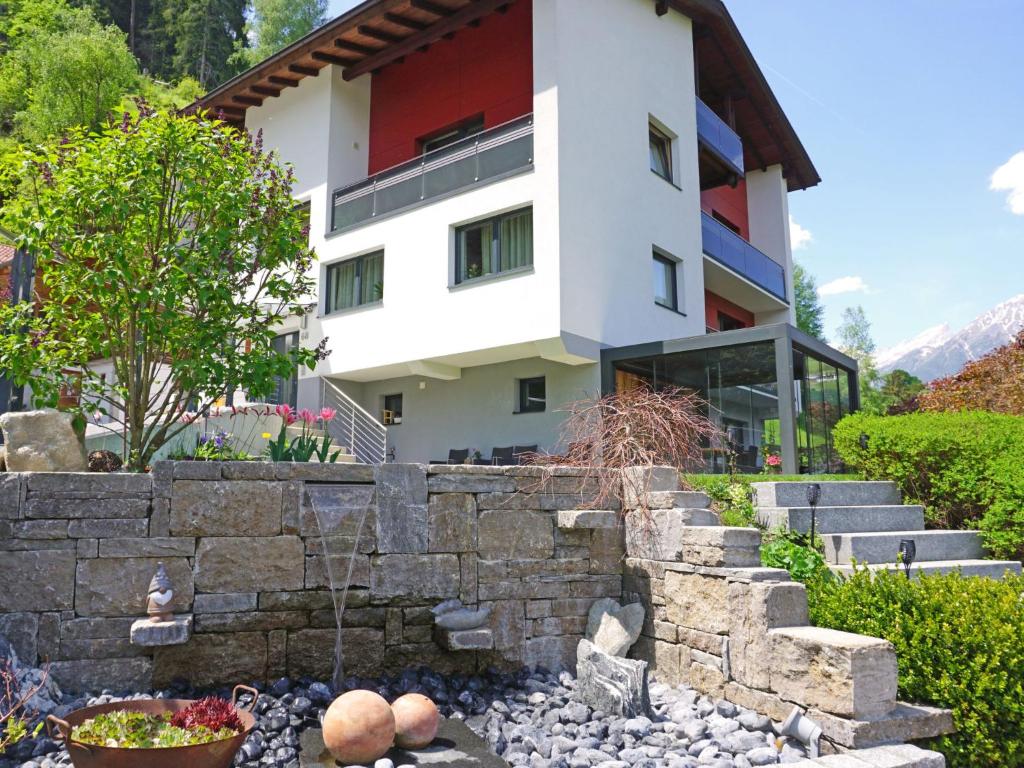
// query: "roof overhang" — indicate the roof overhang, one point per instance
point(365, 39)
point(380, 32)
point(731, 80)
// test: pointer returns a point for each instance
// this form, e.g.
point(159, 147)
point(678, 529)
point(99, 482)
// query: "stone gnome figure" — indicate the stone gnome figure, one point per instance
point(160, 599)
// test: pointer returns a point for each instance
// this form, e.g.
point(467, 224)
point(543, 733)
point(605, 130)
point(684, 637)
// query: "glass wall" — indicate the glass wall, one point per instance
point(822, 397)
point(739, 384)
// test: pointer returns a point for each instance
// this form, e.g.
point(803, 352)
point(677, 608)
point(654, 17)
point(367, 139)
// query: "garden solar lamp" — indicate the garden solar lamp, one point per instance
point(908, 551)
point(813, 497)
point(863, 441)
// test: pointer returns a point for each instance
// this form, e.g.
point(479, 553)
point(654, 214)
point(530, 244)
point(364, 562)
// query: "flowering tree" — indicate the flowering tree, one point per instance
point(167, 249)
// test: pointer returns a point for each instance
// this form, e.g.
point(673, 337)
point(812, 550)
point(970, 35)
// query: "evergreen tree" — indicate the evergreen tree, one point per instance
point(205, 34)
point(810, 314)
point(276, 23)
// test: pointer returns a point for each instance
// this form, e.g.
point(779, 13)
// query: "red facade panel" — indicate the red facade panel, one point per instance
point(731, 204)
point(484, 70)
point(715, 304)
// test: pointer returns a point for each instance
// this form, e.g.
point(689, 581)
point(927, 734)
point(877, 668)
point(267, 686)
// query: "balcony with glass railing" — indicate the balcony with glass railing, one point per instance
point(716, 137)
point(730, 250)
point(486, 157)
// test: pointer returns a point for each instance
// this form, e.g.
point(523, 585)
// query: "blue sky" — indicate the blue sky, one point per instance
point(908, 109)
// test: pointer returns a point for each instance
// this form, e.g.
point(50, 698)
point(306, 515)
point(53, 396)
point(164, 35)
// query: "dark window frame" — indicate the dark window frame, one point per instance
point(452, 134)
point(495, 223)
point(360, 262)
point(658, 141)
point(395, 412)
point(672, 265)
point(526, 403)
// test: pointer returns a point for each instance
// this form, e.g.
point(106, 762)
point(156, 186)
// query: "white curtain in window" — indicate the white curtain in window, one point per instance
point(343, 286)
point(517, 241)
point(372, 280)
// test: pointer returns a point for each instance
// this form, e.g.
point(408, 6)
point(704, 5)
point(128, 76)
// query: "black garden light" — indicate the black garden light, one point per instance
point(908, 551)
point(863, 441)
point(813, 497)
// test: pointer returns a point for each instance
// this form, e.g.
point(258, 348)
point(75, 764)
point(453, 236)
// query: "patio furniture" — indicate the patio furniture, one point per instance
point(455, 456)
point(502, 457)
point(522, 453)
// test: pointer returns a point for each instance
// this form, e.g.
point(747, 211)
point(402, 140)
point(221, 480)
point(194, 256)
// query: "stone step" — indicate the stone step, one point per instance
point(675, 499)
point(883, 547)
point(993, 569)
point(840, 519)
point(833, 494)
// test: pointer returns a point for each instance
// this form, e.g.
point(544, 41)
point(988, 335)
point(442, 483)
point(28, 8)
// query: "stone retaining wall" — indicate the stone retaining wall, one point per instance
point(242, 547)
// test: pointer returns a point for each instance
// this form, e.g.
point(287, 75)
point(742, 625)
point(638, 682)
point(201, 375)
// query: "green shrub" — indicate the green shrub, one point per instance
point(959, 643)
point(790, 551)
point(967, 469)
point(731, 500)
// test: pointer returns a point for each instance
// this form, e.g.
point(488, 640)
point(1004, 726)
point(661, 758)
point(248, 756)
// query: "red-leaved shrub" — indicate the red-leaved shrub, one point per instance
point(212, 712)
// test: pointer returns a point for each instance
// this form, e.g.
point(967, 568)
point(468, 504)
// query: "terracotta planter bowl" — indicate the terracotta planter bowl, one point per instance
point(216, 754)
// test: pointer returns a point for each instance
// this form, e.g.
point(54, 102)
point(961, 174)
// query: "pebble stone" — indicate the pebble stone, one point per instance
point(532, 719)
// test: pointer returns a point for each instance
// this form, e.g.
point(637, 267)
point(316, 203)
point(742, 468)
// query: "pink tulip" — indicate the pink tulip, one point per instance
point(307, 416)
point(286, 413)
point(327, 414)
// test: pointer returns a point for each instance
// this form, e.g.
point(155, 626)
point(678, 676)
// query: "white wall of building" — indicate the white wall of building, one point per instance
point(476, 411)
point(613, 66)
point(768, 211)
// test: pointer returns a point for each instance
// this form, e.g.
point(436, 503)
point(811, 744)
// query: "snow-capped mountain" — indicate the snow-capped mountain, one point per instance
point(939, 352)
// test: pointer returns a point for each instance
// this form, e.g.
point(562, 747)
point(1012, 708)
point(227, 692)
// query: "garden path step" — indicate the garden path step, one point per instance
point(883, 547)
point(844, 519)
point(839, 493)
point(993, 569)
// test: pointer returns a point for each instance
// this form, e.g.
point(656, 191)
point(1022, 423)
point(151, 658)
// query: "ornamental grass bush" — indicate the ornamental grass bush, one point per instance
point(967, 468)
point(959, 643)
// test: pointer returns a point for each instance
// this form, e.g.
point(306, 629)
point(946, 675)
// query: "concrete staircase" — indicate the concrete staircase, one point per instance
point(866, 521)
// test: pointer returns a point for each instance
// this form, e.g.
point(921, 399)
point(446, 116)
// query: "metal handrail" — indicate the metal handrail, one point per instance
point(732, 251)
point(716, 134)
point(470, 148)
point(353, 426)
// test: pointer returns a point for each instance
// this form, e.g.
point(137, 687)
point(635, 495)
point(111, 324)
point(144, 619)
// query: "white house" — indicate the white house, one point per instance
point(521, 203)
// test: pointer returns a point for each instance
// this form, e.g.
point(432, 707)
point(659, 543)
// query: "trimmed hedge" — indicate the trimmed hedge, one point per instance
point(967, 468)
point(959, 644)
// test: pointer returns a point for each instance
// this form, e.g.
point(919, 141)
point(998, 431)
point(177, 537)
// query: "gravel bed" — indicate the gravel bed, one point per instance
point(531, 719)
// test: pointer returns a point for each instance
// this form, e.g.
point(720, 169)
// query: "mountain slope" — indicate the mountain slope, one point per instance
point(939, 352)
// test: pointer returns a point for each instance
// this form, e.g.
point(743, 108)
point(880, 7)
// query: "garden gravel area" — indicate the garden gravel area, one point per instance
point(532, 719)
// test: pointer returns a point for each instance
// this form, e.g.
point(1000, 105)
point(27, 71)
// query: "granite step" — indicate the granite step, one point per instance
point(844, 493)
point(993, 569)
point(883, 547)
point(844, 519)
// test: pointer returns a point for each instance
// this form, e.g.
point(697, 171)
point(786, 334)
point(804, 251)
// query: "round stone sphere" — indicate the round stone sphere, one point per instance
point(358, 727)
point(416, 721)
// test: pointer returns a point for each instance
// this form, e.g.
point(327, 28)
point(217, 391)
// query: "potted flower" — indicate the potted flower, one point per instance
point(157, 733)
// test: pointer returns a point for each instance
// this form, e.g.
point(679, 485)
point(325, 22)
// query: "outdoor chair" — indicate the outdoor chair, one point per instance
point(455, 456)
point(501, 457)
point(521, 454)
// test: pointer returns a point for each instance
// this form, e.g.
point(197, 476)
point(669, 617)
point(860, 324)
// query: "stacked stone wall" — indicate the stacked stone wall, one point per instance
point(242, 546)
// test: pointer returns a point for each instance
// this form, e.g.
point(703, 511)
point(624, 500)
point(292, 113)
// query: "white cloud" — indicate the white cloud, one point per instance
point(798, 236)
point(843, 285)
point(1009, 177)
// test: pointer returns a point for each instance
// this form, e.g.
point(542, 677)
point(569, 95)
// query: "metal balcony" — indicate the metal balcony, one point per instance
point(481, 159)
point(715, 136)
point(732, 251)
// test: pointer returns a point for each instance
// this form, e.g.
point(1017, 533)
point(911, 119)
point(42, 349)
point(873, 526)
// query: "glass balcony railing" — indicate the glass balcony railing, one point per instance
point(485, 157)
point(732, 251)
point(714, 134)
